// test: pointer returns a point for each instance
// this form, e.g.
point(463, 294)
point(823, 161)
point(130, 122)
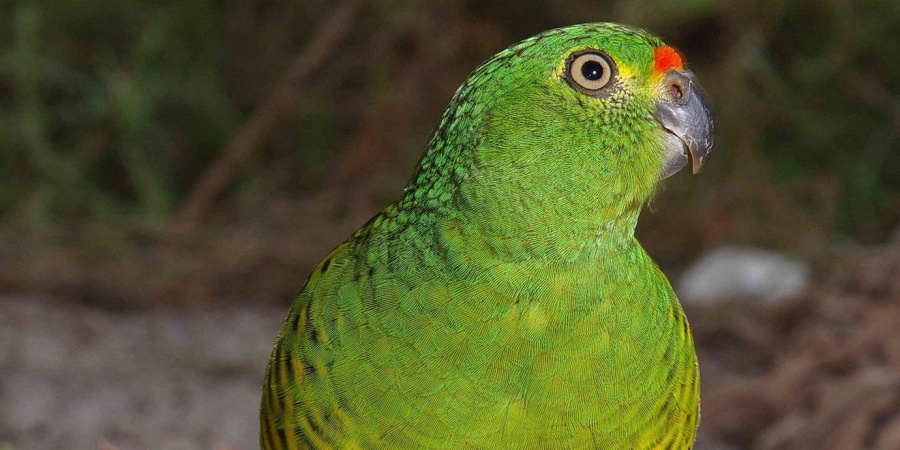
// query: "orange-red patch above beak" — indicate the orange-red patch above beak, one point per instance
point(665, 58)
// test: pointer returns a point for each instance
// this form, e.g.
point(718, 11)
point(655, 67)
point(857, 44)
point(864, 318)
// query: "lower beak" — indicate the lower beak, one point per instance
point(684, 115)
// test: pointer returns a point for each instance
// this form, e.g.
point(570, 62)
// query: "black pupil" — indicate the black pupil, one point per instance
point(592, 70)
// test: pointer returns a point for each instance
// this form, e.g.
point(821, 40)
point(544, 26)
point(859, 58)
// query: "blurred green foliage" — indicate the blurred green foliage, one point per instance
point(110, 106)
point(111, 110)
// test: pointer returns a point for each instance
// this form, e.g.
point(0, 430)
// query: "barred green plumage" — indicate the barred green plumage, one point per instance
point(503, 301)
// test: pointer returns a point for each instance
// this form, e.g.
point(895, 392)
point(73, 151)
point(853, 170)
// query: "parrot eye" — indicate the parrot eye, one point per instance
point(589, 72)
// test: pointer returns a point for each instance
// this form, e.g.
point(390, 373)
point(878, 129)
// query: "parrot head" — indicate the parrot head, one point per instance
point(566, 133)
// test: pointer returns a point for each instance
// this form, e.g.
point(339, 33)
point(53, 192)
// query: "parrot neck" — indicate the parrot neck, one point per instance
point(553, 231)
point(543, 215)
point(560, 227)
point(529, 186)
point(554, 214)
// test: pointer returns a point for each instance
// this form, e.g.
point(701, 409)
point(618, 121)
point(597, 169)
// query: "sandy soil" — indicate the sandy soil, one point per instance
point(72, 376)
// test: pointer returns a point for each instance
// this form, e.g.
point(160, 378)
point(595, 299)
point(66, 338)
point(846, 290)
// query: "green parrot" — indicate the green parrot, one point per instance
point(503, 301)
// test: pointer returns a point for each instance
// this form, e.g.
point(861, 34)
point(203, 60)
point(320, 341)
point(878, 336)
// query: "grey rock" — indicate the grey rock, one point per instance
point(732, 272)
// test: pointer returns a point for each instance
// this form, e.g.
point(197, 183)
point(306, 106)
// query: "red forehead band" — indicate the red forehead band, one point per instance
point(665, 58)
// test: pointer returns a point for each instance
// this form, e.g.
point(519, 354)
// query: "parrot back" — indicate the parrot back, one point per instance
point(396, 345)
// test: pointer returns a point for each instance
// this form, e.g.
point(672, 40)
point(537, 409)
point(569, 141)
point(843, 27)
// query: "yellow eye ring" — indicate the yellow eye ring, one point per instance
point(590, 72)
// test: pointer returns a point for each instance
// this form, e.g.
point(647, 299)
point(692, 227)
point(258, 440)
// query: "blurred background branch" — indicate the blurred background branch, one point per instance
point(251, 133)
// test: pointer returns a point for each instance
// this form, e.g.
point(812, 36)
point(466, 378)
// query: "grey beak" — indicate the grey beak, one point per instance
point(683, 112)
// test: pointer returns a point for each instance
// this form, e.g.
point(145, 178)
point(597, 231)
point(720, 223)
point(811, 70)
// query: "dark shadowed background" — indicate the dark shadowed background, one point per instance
point(171, 170)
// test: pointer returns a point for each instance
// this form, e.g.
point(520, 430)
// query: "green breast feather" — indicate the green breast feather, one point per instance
point(503, 301)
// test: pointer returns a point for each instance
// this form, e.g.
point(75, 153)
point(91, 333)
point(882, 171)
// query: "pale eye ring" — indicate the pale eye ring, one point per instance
point(590, 71)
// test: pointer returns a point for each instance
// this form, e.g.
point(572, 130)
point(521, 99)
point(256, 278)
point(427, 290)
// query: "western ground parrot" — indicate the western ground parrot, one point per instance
point(503, 301)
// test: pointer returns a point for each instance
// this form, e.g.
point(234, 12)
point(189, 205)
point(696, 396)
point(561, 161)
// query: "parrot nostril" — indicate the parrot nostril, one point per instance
point(676, 91)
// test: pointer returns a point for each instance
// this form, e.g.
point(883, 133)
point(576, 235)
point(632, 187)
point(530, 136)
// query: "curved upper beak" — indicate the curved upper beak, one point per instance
point(684, 114)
